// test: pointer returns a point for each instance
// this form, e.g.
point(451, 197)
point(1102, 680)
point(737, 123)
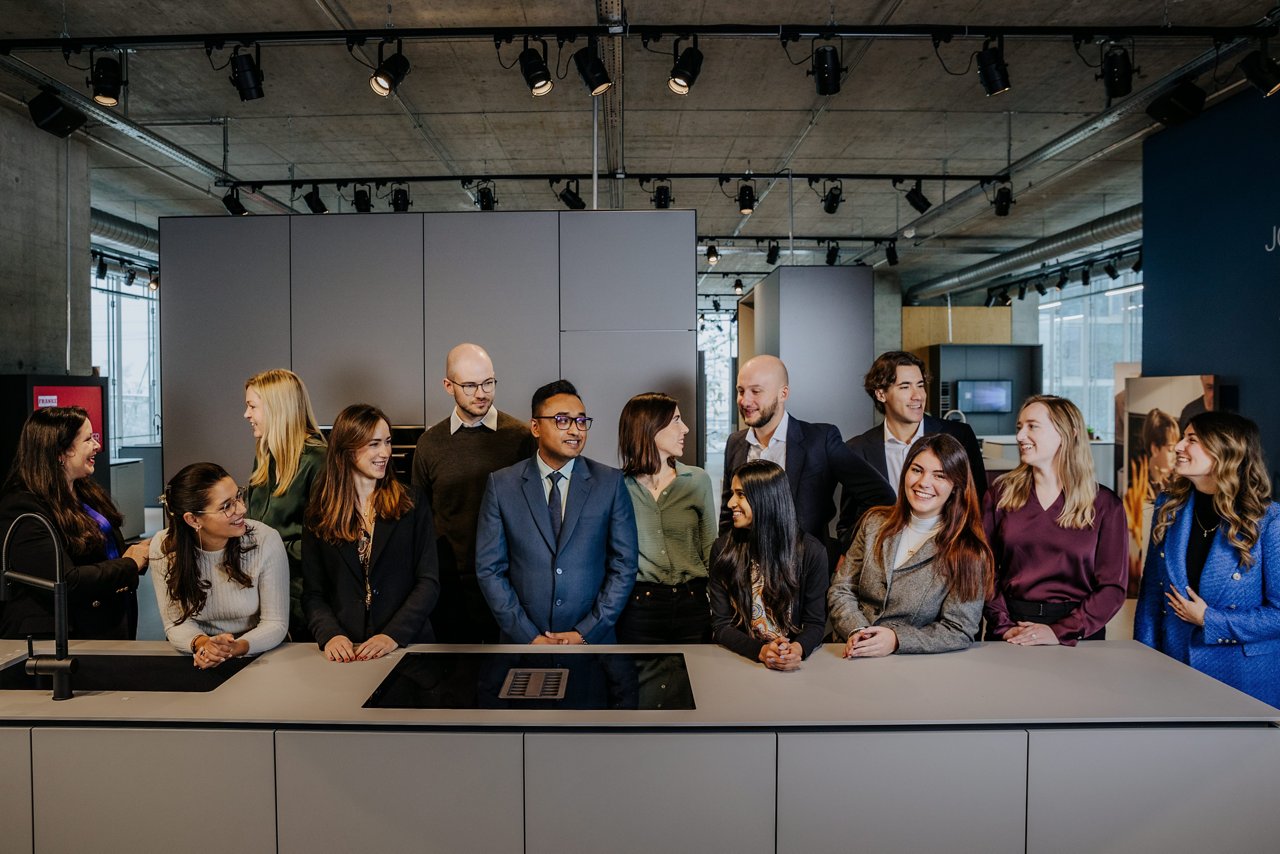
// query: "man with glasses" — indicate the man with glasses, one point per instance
point(450, 465)
point(556, 550)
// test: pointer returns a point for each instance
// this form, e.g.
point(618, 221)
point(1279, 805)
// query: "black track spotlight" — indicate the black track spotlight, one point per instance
point(569, 196)
point(533, 66)
point(101, 272)
point(1137, 265)
point(737, 286)
point(662, 197)
point(688, 66)
point(891, 253)
point(1063, 276)
point(246, 74)
point(826, 70)
point(1040, 288)
point(1110, 269)
point(1022, 290)
point(713, 255)
point(990, 300)
point(153, 283)
point(771, 256)
point(50, 114)
point(1004, 299)
point(917, 199)
point(362, 199)
point(832, 197)
point(106, 81)
point(315, 204)
point(591, 67)
point(833, 253)
point(486, 198)
point(390, 72)
point(1117, 72)
point(992, 71)
point(400, 201)
point(1262, 71)
point(746, 198)
point(131, 277)
point(231, 201)
point(1085, 274)
point(1003, 201)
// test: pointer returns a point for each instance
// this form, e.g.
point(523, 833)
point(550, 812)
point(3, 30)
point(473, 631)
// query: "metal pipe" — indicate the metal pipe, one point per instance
point(108, 226)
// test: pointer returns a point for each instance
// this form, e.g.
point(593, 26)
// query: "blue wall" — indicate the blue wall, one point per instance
point(1211, 204)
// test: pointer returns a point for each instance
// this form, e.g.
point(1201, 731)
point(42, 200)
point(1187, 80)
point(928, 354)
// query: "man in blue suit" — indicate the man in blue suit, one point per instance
point(556, 550)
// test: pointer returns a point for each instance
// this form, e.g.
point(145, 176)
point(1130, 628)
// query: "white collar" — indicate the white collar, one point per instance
point(779, 435)
point(490, 420)
point(889, 438)
point(546, 470)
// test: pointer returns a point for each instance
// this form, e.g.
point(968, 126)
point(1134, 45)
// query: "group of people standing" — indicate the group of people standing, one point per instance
point(508, 533)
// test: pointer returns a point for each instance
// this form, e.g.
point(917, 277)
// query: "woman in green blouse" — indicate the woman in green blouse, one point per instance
point(289, 453)
point(676, 523)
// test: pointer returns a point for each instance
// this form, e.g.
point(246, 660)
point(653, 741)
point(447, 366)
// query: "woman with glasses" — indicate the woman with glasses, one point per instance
point(676, 523)
point(221, 581)
point(768, 578)
point(288, 456)
point(370, 576)
point(52, 475)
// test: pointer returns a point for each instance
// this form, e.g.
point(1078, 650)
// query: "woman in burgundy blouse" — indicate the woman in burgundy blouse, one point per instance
point(1059, 538)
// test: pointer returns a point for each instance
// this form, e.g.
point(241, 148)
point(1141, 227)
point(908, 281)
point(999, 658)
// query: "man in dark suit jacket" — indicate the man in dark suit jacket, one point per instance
point(556, 549)
point(896, 384)
point(813, 455)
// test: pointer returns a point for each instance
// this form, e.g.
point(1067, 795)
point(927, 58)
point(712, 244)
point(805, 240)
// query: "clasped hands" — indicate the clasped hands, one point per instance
point(871, 642)
point(559, 638)
point(780, 654)
point(340, 648)
point(217, 649)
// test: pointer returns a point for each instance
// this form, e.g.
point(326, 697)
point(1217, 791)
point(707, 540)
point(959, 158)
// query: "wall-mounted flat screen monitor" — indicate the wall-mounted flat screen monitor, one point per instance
point(984, 396)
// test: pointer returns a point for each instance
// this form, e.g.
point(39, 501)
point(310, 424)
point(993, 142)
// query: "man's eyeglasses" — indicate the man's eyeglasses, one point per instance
point(227, 508)
point(469, 389)
point(563, 421)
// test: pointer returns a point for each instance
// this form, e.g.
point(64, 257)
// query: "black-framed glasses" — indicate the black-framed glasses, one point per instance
point(469, 389)
point(227, 508)
point(563, 421)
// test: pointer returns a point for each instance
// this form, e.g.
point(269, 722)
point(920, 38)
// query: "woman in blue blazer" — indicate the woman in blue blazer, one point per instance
point(1210, 592)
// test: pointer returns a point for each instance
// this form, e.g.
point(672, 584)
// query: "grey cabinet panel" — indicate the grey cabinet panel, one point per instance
point(224, 316)
point(15, 789)
point(628, 270)
point(609, 368)
point(207, 789)
point(649, 792)
point(902, 792)
point(403, 791)
point(357, 312)
point(1143, 790)
point(493, 279)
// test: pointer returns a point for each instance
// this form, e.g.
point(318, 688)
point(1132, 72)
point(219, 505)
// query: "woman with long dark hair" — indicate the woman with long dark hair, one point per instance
point(221, 580)
point(1210, 592)
point(1059, 538)
point(916, 576)
point(52, 475)
point(675, 522)
point(768, 580)
point(370, 577)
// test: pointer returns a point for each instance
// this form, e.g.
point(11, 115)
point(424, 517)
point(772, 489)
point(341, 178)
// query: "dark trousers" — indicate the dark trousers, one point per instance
point(659, 613)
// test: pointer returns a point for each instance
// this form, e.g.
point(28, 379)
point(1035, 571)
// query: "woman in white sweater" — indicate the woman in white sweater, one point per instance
point(221, 580)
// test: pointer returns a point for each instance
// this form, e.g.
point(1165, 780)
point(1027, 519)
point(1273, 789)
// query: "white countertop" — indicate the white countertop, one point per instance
point(994, 685)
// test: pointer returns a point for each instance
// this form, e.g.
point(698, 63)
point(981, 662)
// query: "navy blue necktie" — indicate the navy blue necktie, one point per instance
point(553, 503)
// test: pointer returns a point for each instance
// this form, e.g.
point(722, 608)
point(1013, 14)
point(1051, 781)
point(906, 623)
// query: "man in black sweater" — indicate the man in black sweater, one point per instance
point(453, 460)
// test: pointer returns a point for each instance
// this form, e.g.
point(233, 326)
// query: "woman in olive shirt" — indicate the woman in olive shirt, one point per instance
point(675, 523)
point(289, 454)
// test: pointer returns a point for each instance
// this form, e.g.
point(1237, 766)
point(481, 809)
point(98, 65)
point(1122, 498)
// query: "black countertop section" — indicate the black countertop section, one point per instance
point(128, 673)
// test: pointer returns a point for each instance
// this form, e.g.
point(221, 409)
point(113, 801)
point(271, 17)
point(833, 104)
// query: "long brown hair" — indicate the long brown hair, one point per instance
point(46, 435)
point(641, 419)
point(1239, 472)
point(188, 492)
point(1073, 464)
point(289, 426)
point(334, 511)
point(964, 558)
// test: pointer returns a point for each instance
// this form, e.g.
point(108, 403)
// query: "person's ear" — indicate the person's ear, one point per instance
point(191, 519)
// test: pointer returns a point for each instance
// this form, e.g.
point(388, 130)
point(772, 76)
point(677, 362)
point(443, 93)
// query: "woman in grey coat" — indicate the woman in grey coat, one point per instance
point(917, 573)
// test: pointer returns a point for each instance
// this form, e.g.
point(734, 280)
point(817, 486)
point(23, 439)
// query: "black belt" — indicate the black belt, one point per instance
point(695, 586)
point(1052, 611)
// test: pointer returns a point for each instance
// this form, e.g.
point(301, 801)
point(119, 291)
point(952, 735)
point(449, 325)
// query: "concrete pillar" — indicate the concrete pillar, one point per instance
point(887, 311)
point(41, 179)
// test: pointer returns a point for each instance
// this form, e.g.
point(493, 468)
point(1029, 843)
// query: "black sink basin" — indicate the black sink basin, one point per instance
point(128, 673)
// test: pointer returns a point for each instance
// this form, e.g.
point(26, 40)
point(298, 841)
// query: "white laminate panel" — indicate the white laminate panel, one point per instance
point(902, 792)
point(401, 791)
point(1135, 791)
point(15, 790)
point(639, 793)
point(152, 790)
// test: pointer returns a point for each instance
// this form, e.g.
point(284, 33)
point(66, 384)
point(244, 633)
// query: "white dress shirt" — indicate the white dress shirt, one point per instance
point(776, 452)
point(546, 470)
point(490, 420)
point(895, 453)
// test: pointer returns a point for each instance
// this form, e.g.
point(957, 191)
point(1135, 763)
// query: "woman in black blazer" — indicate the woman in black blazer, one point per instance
point(369, 571)
point(768, 586)
point(52, 475)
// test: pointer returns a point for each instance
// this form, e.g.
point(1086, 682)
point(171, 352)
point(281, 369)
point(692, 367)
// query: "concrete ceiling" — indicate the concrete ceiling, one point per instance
point(459, 112)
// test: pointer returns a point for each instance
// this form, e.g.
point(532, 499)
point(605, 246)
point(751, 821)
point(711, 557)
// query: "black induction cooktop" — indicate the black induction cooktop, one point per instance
point(536, 681)
point(107, 672)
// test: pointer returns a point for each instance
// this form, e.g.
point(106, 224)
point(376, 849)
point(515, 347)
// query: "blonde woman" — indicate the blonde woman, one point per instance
point(289, 455)
point(1209, 592)
point(1059, 538)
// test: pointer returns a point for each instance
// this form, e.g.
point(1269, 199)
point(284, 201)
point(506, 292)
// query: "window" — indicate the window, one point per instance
point(126, 347)
point(718, 341)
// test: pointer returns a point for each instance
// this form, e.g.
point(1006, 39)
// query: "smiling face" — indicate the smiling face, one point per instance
point(222, 516)
point(254, 412)
point(1038, 439)
point(762, 391)
point(738, 505)
point(374, 456)
point(670, 439)
point(1193, 462)
point(904, 400)
point(79, 460)
point(926, 484)
point(556, 446)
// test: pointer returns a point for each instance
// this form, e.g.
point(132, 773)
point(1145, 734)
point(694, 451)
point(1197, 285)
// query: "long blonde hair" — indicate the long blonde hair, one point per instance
point(1239, 472)
point(290, 425)
point(1073, 464)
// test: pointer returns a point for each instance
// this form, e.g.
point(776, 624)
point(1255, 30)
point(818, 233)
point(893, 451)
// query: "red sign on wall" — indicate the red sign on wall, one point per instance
point(87, 396)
